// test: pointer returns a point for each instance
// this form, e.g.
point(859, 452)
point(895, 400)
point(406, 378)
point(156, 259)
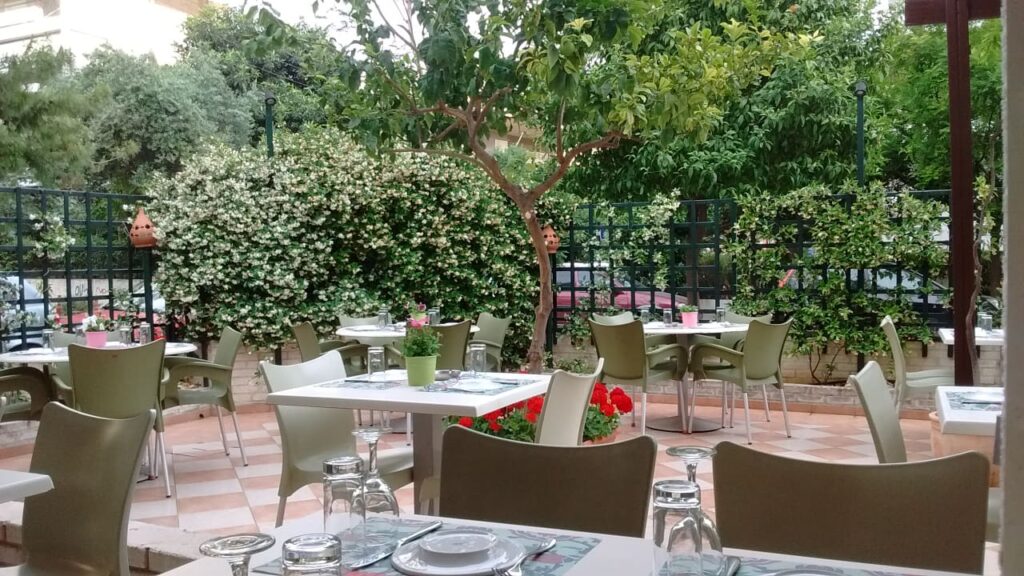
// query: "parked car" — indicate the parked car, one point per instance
point(574, 287)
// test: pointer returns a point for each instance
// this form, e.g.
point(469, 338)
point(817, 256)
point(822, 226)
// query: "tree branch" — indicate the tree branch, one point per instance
point(609, 140)
point(559, 151)
point(442, 152)
point(409, 42)
point(493, 99)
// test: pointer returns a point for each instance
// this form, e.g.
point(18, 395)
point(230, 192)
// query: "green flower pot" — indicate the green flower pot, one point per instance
point(420, 370)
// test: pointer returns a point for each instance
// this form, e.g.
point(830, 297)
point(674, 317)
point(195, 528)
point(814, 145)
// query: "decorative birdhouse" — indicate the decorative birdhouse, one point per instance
point(142, 232)
point(551, 239)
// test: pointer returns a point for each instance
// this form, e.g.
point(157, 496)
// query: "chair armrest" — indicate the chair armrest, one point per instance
point(701, 351)
point(484, 341)
point(198, 369)
point(31, 381)
point(665, 353)
point(392, 353)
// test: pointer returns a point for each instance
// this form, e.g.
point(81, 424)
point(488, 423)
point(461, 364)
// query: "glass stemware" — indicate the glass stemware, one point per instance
point(237, 549)
point(311, 555)
point(691, 455)
point(374, 506)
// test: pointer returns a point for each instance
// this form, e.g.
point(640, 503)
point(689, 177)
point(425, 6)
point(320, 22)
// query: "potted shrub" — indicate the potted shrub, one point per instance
point(689, 316)
point(603, 414)
point(420, 349)
point(95, 331)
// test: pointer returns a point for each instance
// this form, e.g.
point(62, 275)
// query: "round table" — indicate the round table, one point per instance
point(48, 356)
point(372, 335)
point(677, 423)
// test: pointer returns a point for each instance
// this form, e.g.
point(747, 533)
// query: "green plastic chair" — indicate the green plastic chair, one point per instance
point(912, 383)
point(454, 339)
point(492, 334)
point(627, 317)
point(628, 361)
point(604, 488)
point(884, 422)
point(121, 383)
point(311, 347)
point(29, 381)
point(218, 372)
point(311, 435)
point(928, 515)
point(565, 408)
point(347, 321)
point(757, 365)
point(60, 372)
point(81, 526)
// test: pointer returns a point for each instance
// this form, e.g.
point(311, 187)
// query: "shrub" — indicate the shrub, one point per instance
point(326, 229)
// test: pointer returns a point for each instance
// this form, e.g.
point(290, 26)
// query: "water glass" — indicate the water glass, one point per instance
point(343, 477)
point(125, 335)
point(477, 358)
point(692, 546)
point(48, 339)
point(434, 316)
point(311, 555)
point(985, 322)
point(375, 362)
point(645, 316)
point(145, 333)
point(679, 554)
point(720, 315)
point(383, 318)
point(666, 317)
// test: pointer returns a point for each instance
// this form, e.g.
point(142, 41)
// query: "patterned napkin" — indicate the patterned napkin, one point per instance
point(763, 567)
point(969, 401)
point(556, 562)
point(505, 384)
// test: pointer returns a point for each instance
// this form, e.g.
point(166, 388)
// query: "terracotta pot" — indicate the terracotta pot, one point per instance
point(142, 232)
point(604, 439)
point(551, 239)
point(420, 370)
point(96, 339)
point(689, 319)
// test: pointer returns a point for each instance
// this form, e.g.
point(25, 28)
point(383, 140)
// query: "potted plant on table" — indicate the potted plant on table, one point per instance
point(96, 329)
point(420, 349)
point(688, 315)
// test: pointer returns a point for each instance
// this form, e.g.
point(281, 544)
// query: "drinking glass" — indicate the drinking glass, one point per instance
point(691, 455)
point(374, 507)
point(477, 358)
point(145, 333)
point(311, 555)
point(383, 318)
point(645, 316)
point(720, 315)
point(237, 549)
point(692, 546)
point(985, 322)
point(666, 317)
point(125, 335)
point(434, 316)
point(48, 339)
point(343, 477)
point(375, 365)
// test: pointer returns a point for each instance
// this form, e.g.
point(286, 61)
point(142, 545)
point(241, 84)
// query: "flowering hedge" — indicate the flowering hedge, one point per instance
point(325, 229)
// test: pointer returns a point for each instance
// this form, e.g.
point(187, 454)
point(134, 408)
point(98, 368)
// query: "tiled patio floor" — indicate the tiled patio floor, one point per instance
point(215, 493)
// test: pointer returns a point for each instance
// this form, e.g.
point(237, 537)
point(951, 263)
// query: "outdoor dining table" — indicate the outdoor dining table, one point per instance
point(678, 422)
point(981, 337)
point(576, 554)
point(428, 407)
point(46, 356)
point(966, 418)
point(16, 485)
point(374, 335)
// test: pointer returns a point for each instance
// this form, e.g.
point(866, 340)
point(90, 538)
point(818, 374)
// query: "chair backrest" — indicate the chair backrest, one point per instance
point(227, 347)
point(492, 329)
point(454, 339)
point(899, 363)
point(116, 382)
point(883, 419)
point(622, 347)
point(929, 514)
point(613, 319)
point(305, 337)
point(29, 381)
point(81, 526)
point(565, 407)
point(603, 488)
point(306, 430)
point(734, 318)
point(762, 350)
point(347, 321)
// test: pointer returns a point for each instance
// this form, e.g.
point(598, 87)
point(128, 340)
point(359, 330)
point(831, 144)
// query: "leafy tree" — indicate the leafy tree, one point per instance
point(456, 71)
point(42, 136)
point(150, 117)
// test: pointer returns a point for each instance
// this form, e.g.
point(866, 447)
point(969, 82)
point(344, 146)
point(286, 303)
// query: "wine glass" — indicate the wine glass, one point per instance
point(691, 455)
point(237, 549)
point(373, 504)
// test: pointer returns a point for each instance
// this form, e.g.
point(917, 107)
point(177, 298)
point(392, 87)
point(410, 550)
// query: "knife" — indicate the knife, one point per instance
point(382, 555)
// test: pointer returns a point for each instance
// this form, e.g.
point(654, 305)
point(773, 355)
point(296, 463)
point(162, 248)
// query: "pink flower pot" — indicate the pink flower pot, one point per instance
point(690, 319)
point(96, 339)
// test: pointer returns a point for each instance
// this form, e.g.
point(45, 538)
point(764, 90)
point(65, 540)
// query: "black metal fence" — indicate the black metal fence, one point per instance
point(69, 255)
point(635, 256)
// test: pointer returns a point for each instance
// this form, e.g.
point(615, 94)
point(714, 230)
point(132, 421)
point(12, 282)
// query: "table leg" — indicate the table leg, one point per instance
point(426, 451)
point(678, 422)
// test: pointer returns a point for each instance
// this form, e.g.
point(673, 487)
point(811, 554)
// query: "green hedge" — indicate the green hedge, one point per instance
point(326, 228)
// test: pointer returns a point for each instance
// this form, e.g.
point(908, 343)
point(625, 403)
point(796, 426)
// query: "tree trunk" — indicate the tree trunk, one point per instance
point(535, 355)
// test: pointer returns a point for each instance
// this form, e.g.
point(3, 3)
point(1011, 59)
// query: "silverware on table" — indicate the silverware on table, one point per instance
point(516, 568)
point(401, 542)
point(732, 565)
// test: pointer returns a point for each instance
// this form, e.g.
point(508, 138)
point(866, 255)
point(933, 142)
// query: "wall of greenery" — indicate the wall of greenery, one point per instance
point(326, 229)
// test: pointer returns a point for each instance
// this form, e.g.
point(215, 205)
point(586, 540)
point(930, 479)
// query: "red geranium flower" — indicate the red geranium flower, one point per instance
point(617, 392)
point(535, 405)
point(531, 417)
point(598, 396)
point(608, 410)
point(466, 421)
point(623, 402)
point(492, 416)
point(494, 426)
point(600, 386)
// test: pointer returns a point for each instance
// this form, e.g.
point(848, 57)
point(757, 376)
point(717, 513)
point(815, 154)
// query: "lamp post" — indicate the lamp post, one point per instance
point(269, 100)
point(859, 90)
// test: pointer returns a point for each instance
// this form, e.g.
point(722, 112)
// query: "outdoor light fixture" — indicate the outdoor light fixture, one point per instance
point(860, 88)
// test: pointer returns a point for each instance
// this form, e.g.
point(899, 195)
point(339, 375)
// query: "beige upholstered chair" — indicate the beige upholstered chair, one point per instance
point(565, 408)
point(604, 488)
point(928, 514)
point(912, 383)
point(884, 422)
point(311, 435)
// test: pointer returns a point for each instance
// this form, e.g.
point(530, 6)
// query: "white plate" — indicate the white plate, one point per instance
point(459, 541)
point(476, 385)
point(413, 560)
point(364, 328)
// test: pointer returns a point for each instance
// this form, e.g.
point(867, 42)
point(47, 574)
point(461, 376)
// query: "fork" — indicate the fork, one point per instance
point(516, 569)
